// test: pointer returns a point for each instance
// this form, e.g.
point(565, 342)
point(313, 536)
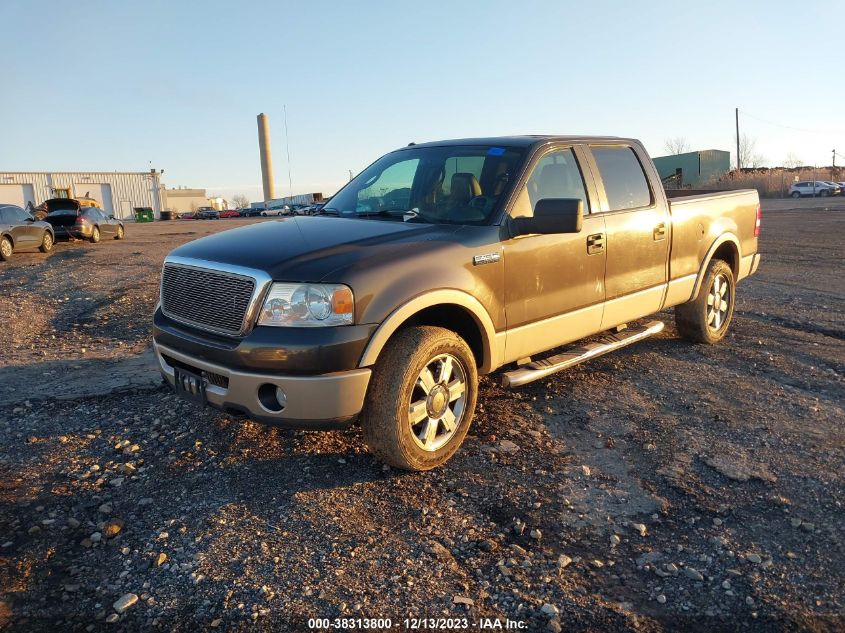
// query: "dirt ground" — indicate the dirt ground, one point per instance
point(665, 487)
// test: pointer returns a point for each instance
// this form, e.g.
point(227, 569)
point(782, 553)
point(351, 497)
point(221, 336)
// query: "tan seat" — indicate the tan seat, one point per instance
point(464, 188)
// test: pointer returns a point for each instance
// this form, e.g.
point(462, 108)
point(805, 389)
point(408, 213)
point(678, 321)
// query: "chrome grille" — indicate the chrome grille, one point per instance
point(207, 299)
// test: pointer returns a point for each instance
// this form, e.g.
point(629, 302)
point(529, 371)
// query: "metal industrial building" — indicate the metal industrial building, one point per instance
point(118, 192)
point(693, 169)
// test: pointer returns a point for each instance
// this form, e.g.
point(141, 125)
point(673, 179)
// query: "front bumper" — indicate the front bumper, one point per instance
point(318, 402)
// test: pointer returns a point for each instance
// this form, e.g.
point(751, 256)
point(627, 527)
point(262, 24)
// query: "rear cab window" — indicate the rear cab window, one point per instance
point(625, 183)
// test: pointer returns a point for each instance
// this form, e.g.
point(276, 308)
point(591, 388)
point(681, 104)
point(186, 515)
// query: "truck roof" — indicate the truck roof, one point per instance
point(526, 140)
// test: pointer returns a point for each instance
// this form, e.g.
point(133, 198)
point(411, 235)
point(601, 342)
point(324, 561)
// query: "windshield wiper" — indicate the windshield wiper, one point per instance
point(406, 214)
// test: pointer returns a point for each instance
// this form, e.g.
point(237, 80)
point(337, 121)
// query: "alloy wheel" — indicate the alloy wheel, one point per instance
point(437, 402)
point(718, 302)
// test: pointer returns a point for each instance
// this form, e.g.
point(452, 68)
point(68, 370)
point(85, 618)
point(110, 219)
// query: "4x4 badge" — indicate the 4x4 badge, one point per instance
point(486, 258)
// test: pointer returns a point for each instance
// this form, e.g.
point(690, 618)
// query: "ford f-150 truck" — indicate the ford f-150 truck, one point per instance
point(439, 262)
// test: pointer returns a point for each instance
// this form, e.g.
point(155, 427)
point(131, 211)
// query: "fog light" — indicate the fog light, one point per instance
point(281, 397)
point(272, 398)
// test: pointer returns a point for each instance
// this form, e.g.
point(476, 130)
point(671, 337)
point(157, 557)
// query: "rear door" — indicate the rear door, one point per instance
point(638, 234)
point(100, 219)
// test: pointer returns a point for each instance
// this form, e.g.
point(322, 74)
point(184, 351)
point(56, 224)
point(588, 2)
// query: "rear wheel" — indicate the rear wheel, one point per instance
point(119, 234)
point(421, 398)
point(46, 242)
point(707, 317)
point(5, 248)
point(796, 194)
point(95, 235)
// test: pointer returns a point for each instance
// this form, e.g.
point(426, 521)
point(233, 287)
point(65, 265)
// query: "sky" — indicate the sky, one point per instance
point(176, 85)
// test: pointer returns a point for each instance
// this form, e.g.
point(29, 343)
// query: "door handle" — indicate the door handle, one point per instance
point(660, 232)
point(595, 243)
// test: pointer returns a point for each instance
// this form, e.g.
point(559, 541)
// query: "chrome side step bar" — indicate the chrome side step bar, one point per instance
point(608, 343)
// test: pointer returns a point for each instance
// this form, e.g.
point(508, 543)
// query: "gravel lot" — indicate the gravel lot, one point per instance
point(665, 487)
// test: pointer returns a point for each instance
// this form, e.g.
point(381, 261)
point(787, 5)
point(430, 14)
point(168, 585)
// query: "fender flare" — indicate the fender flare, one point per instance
point(438, 297)
point(722, 239)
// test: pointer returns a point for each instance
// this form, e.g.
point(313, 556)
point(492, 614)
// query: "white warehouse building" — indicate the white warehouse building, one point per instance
point(118, 192)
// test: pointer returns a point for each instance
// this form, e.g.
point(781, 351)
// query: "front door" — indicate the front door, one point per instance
point(554, 284)
point(24, 233)
point(638, 236)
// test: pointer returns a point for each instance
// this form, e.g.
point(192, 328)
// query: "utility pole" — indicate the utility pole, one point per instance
point(834, 158)
point(738, 159)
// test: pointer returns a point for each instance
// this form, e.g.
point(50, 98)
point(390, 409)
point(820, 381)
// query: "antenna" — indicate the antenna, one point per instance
point(287, 148)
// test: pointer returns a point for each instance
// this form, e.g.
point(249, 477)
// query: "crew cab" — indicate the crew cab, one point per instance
point(439, 262)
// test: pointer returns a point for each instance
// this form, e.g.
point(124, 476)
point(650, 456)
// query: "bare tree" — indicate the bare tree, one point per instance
point(677, 145)
point(240, 201)
point(792, 161)
point(749, 157)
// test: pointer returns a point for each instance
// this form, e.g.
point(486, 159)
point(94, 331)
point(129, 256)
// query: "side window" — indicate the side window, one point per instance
point(556, 175)
point(3, 218)
point(625, 183)
point(16, 214)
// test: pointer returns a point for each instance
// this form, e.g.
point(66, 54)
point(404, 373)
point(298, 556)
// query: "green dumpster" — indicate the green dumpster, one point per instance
point(144, 214)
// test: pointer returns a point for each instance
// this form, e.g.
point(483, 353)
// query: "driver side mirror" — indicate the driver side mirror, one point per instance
point(111, 216)
point(552, 216)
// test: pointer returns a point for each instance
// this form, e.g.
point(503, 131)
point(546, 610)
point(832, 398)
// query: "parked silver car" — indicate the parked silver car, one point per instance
point(814, 188)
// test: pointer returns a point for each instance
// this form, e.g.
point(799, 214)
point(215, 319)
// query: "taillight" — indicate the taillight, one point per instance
point(757, 223)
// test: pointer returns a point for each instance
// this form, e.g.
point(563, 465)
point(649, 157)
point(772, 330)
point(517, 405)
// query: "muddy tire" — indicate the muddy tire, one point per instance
point(95, 235)
point(421, 398)
point(120, 232)
point(6, 249)
point(706, 319)
point(46, 242)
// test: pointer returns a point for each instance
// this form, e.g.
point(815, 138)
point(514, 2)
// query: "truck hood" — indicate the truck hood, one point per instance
point(312, 249)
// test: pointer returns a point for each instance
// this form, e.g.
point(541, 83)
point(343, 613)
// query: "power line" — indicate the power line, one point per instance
point(791, 127)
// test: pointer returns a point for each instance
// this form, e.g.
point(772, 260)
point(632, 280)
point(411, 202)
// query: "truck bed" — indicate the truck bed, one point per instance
point(699, 217)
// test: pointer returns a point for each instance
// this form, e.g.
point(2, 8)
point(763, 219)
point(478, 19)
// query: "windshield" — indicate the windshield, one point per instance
point(449, 184)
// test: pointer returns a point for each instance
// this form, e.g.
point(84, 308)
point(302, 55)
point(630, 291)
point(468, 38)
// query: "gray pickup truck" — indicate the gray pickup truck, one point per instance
point(439, 262)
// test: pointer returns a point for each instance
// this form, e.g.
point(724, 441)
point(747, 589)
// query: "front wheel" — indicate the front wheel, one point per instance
point(95, 235)
point(707, 317)
point(46, 242)
point(5, 249)
point(421, 398)
point(120, 233)
point(824, 193)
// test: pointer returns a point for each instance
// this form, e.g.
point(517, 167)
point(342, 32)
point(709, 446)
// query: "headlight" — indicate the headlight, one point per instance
point(307, 305)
